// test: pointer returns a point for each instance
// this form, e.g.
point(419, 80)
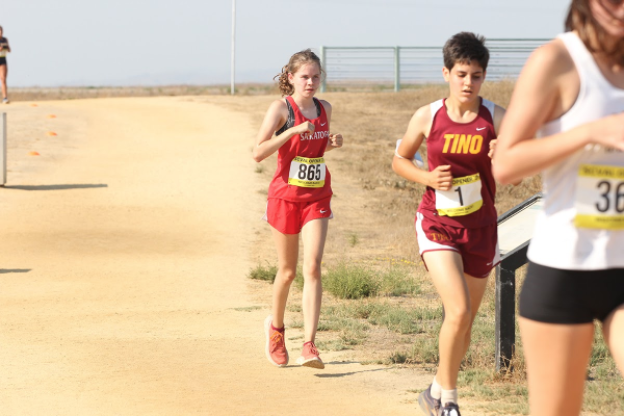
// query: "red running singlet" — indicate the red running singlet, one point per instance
point(470, 201)
point(301, 174)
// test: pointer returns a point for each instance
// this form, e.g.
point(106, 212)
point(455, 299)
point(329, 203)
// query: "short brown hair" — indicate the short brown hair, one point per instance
point(295, 62)
point(581, 19)
point(465, 47)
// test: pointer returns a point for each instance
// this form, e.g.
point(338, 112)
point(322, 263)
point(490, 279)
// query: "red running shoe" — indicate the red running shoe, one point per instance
point(275, 345)
point(310, 356)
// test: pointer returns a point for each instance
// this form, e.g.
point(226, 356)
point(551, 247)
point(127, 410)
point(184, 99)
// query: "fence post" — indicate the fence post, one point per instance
point(3, 149)
point(324, 69)
point(505, 315)
point(397, 69)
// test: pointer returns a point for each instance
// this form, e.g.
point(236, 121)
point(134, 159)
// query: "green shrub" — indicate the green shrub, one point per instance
point(266, 273)
point(351, 282)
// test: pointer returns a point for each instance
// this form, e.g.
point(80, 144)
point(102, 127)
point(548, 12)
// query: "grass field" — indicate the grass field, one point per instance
point(379, 303)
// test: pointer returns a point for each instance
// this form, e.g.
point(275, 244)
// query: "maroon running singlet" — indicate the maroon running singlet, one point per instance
point(470, 201)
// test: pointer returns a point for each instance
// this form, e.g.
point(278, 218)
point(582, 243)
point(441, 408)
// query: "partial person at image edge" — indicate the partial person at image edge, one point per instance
point(4, 67)
point(566, 120)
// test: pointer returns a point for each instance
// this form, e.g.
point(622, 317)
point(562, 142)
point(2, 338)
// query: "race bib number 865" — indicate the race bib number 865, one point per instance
point(307, 172)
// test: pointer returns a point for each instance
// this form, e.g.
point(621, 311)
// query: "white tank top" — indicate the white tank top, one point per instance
point(581, 226)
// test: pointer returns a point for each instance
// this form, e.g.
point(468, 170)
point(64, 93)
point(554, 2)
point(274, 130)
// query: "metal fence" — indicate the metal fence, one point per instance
point(401, 65)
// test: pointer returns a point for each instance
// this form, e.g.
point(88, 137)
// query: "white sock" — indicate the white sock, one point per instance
point(436, 389)
point(449, 396)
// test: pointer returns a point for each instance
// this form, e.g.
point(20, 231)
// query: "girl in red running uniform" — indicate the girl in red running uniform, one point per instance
point(297, 127)
point(456, 221)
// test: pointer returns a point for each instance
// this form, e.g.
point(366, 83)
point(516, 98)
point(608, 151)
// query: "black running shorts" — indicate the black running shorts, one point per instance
point(570, 296)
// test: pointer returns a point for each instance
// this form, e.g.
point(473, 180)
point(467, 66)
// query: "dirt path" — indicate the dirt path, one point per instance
point(125, 246)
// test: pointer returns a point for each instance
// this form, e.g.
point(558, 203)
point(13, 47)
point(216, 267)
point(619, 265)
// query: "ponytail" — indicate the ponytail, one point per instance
point(283, 84)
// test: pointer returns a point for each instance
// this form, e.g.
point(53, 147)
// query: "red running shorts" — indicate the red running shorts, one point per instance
point(290, 217)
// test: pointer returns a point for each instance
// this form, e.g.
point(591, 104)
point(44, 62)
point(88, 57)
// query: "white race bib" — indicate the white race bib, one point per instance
point(600, 197)
point(307, 173)
point(463, 198)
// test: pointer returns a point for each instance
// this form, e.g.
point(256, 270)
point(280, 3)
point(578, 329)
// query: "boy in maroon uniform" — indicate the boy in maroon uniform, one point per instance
point(456, 222)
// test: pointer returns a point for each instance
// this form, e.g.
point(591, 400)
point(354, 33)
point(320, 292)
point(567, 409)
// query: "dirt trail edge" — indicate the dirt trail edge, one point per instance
point(124, 253)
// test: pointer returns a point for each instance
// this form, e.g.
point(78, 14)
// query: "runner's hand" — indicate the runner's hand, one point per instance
point(609, 131)
point(335, 140)
point(441, 178)
point(492, 148)
point(305, 127)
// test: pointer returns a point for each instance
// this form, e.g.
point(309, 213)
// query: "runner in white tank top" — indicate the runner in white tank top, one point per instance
point(572, 194)
point(570, 96)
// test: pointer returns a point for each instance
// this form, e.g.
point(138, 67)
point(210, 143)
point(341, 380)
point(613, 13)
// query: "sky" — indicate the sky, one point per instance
point(157, 42)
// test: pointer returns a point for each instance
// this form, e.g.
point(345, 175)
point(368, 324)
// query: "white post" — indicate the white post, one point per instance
point(324, 68)
point(397, 68)
point(3, 149)
point(233, 44)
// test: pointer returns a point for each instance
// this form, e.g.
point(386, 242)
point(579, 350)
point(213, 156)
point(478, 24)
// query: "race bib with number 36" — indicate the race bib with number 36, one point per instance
point(600, 197)
point(307, 172)
point(463, 198)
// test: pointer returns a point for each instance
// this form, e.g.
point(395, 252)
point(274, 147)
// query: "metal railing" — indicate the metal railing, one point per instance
point(515, 230)
point(400, 65)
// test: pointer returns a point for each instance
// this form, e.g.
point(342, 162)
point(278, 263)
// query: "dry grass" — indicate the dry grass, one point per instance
point(73, 93)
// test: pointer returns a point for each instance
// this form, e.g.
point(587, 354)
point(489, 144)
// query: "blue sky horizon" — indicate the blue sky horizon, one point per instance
point(153, 42)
